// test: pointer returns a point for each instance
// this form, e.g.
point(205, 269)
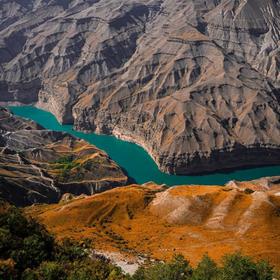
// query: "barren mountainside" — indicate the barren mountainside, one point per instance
point(194, 82)
point(39, 166)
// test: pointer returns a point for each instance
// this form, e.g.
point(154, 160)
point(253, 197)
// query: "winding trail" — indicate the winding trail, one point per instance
point(52, 184)
point(41, 173)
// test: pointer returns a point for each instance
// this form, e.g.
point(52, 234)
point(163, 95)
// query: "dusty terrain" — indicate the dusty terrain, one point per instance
point(194, 82)
point(152, 221)
point(39, 166)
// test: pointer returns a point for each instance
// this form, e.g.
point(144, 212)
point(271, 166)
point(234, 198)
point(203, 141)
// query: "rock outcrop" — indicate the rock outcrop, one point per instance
point(196, 83)
point(39, 166)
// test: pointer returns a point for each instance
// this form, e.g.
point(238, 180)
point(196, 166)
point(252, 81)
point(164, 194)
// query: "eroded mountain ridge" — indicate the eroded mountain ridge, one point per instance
point(40, 166)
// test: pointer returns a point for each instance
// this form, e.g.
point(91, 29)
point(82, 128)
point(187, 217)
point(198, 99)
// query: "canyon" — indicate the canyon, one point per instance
point(196, 83)
point(78, 192)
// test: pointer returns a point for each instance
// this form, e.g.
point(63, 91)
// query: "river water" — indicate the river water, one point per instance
point(135, 160)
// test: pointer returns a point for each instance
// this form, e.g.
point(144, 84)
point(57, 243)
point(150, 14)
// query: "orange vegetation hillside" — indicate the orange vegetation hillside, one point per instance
point(158, 222)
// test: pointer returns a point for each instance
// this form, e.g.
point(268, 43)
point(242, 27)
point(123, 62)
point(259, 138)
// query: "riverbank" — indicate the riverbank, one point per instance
point(136, 161)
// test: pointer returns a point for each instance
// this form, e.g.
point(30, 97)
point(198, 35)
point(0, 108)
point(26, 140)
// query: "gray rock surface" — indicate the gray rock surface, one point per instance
point(195, 82)
point(39, 166)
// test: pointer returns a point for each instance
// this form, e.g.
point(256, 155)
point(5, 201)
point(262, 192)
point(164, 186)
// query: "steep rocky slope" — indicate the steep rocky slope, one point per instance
point(153, 221)
point(39, 166)
point(194, 82)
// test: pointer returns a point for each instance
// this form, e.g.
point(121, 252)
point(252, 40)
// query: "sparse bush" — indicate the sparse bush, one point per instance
point(240, 267)
point(177, 269)
point(248, 191)
point(206, 270)
point(235, 267)
point(264, 270)
point(69, 251)
point(51, 271)
point(23, 240)
point(65, 164)
point(29, 274)
point(65, 159)
point(7, 269)
point(95, 270)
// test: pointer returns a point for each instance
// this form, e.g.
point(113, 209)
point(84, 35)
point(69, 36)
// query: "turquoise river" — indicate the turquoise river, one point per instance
point(135, 160)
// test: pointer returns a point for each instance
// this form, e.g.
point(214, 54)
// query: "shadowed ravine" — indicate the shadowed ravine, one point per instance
point(136, 161)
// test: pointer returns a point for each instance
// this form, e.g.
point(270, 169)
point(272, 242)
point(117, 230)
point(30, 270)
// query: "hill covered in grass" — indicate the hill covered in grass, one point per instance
point(157, 223)
point(29, 252)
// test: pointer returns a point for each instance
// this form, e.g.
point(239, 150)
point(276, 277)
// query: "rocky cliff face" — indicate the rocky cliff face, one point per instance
point(39, 166)
point(195, 82)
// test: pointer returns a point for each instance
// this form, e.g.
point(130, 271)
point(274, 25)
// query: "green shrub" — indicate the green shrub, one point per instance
point(70, 251)
point(177, 269)
point(240, 267)
point(65, 164)
point(248, 191)
point(264, 270)
point(206, 270)
point(6, 242)
point(65, 159)
point(29, 274)
point(7, 270)
point(23, 240)
point(235, 267)
point(51, 271)
point(95, 270)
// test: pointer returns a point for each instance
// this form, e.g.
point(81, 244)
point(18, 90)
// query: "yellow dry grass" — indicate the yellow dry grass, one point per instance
point(124, 220)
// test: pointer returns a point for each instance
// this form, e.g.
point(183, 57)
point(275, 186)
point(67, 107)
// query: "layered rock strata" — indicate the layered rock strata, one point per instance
point(39, 166)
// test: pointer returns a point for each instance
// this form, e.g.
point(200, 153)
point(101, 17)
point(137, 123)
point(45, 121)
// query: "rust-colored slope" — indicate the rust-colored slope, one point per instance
point(189, 220)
